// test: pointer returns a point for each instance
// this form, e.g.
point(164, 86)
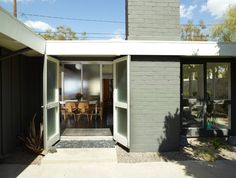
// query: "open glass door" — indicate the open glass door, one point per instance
point(121, 101)
point(51, 101)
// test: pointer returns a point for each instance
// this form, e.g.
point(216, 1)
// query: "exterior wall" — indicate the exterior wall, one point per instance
point(1, 150)
point(21, 98)
point(155, 103)
point(233, 98)
point(153, 20)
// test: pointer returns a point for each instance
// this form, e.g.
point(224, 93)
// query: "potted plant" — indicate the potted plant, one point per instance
point(78, 96)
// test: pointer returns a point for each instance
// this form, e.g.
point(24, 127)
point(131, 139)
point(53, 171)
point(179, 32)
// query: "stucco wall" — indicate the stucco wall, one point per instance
point(155, 103)
point(153, 20)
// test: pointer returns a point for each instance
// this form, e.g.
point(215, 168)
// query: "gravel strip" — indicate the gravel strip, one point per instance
point(85, 144)
point(184, 154)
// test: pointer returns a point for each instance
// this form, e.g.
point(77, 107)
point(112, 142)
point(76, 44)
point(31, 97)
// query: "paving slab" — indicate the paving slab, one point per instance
point(182, 169)
point(81, 155)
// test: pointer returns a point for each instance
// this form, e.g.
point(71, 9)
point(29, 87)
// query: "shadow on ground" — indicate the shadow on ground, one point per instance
point(203, 157)
point(16, 162)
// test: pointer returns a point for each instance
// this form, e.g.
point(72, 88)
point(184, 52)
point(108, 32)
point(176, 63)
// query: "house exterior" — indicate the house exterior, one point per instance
point(150, 73)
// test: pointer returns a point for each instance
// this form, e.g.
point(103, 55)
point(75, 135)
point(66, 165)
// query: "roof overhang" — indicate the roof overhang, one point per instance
point(14, 35)
point(118, 48)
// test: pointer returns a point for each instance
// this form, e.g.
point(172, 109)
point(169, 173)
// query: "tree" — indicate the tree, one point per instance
point(83, 36)
point(192, 32)
point(61, 33)
point(227, 30)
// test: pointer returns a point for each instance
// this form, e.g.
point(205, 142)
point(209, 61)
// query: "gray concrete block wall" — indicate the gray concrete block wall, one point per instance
point(155, 103)
point(153, 20)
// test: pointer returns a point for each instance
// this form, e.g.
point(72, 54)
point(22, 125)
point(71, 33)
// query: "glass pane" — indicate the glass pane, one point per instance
point(122, 121)
point(121, 81)
point(72, 80)
point(91, 81)
point(51, 121)
point(193, 95)
point(218, 95)
point(51, 81)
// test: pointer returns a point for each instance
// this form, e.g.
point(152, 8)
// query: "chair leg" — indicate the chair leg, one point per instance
point(78, 117)
point(100, 115)
point(91, 117)
point(74, 117)
point(88, 118)
point(64, 117)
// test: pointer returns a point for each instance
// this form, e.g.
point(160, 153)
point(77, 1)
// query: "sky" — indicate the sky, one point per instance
point(83, 11)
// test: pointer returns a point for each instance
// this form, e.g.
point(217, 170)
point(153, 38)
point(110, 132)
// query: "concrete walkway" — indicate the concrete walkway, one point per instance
point(84, 155)
point(102, 163)
point(219, 169)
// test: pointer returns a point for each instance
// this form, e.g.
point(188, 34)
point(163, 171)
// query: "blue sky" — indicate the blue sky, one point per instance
point(211, 11)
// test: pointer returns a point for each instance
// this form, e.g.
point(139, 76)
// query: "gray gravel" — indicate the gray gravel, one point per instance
point(184, 154)
point(85, 144)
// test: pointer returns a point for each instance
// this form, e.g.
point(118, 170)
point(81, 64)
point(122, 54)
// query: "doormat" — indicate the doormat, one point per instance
point(85, 144)
point(87, 132)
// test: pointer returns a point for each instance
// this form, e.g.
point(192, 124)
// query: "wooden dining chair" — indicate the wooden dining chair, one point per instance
point(69, 110)
point(84, 110)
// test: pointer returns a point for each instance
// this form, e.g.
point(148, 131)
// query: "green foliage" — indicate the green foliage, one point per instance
point(218, 143)
point(191, 32)
point(207, 154)
point(34, 138)
point(83, 36)
point(227, 30)
point(61, 33)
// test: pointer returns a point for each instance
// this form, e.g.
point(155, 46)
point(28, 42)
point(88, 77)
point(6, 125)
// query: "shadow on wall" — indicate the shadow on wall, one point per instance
point(171, 132)
point(170, 151)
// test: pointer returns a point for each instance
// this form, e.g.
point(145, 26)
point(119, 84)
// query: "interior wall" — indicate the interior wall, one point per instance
point(21, 97)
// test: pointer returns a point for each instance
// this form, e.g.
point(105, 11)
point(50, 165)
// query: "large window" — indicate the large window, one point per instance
point(218, 95)
point(91, 80)
point(206, 95)
point(81, 78)
point(193, 95)
point(72, 80)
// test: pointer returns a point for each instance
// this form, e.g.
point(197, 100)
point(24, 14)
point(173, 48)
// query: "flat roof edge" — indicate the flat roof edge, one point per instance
point(117, 48)
point(16, 30)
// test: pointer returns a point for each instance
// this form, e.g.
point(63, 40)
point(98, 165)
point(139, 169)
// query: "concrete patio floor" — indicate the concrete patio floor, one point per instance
point(102, 162)
point(186, 169)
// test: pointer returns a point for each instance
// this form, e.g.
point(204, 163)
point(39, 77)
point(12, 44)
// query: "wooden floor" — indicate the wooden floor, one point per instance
point(87, 132)
point(83, 122)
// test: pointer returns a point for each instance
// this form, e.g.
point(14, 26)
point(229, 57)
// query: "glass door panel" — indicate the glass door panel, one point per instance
point(72, 81)
point(193, 95)
point(51, 101)
point(91, 82)
point(121, 81)
point(121, 101)
point(218, 95)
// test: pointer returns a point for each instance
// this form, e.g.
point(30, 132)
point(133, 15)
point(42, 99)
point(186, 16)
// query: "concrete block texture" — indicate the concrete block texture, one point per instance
point(153, 20)
point(155, 103)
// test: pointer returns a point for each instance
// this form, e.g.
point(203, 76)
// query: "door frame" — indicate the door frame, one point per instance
point(120, 139)
point(191, 131)
point(49, 142)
